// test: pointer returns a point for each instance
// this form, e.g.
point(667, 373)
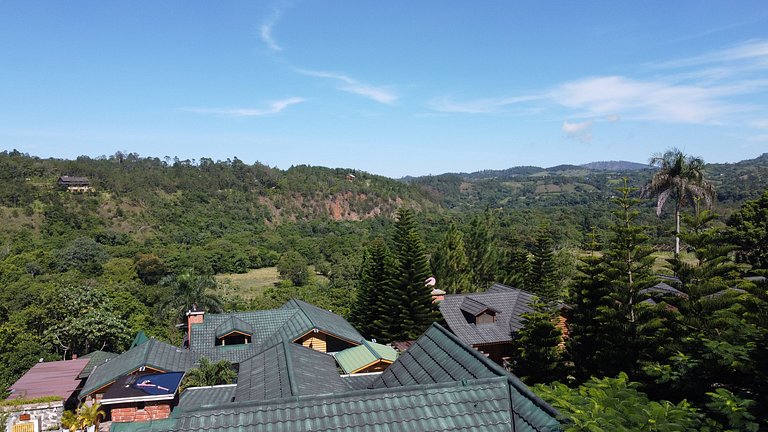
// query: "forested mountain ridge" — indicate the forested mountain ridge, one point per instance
point(301, 192)
point(586, 185)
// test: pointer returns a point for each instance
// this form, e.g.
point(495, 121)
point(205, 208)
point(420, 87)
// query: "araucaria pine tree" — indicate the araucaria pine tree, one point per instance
point(517, 271)
point(587, 335)
point(483, 250)
point(634, 327)
point(372, 303)
point(539, 356)
point(415, 310)
point(543, 271)
point(450, 264)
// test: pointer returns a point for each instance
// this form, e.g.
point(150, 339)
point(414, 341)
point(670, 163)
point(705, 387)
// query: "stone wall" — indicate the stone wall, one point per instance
point(47, 413)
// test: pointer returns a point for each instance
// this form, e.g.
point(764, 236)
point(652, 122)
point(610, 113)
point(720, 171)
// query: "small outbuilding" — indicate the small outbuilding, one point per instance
point(75, 184)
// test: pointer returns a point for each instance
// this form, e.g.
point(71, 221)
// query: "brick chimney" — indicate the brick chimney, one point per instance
point(195, 315)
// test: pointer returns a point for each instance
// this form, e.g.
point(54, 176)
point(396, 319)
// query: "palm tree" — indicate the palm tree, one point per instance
point(680, 177)
point(188, 289)
point(209, 374)
point(89, 415)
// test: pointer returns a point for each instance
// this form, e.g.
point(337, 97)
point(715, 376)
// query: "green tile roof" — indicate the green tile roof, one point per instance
point(97, 358)
point(269, 327)
point(153, 353)
point(140, 338)
point(482, 405)
point(286, 370)
point(439, 356)
point(325, 320)
point(233, 324)
point(263, 325)
point(196, 397)
point(355, 358)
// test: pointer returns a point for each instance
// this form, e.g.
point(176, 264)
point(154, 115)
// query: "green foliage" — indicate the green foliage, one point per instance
point(25, 401)
point(450, 264)
point(82, 319)
point(588, 336)
point(635, 329)
point(517, 269)
point(208, 373)
point(543, 274)
point(84, 255)
point(539, 357)
point(188, 289)
point(680, 177)
point(150, 268)
point(733, 409)
point(89, 415)
point(482, 249)
point(371, 308)
point(748, 229)
point(292, 266)
point(409, 309)
point(615, 404)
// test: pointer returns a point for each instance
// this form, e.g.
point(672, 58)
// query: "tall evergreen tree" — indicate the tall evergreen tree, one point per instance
point(539, 356)
point(376, 280)
point(543, 270)
point(635, 328)
point(517, 271)
point(450, 264)
point(587, 336)
point(415, 310)
point(483, 249)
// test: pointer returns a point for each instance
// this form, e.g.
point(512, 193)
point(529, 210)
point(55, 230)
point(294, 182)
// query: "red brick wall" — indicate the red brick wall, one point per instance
point(133, 414)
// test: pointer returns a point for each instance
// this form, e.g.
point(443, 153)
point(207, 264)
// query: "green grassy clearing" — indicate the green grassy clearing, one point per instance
point(250, 285)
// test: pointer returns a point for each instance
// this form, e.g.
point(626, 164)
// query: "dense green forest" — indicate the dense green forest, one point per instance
point(85, 271)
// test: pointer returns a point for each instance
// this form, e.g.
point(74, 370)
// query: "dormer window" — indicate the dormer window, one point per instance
point(477, 313)
point(233, 331)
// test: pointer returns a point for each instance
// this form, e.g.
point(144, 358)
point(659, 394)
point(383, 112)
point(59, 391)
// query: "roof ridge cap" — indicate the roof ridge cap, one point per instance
point(370, 348)
point(289, 369)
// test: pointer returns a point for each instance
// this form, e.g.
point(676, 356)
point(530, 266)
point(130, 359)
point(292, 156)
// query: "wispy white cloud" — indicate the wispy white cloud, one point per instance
point(581, 131)
point(750, 50)
point(759, 124)
point(272, 108)
point(379, 94)
point(265, 30)
point(654, 100)
point(480, 106)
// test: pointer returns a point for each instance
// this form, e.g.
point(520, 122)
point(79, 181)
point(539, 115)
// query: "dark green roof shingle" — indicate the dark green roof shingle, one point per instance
point(286, 370)
point(269, 327)
point(153, 353)
point(196, 397)
point(97, 358)
point(439, 356)
point(479, 406)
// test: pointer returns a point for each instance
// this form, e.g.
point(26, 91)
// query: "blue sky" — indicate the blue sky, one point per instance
point(394, 88)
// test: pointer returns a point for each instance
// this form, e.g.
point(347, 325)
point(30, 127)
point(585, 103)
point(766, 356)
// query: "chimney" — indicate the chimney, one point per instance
point(438, 295)
point(195, 315)
point(74, 356)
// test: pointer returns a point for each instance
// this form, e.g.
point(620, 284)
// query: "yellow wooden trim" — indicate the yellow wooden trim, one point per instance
point(371, 364)
point(233, 332)
point(327, 334)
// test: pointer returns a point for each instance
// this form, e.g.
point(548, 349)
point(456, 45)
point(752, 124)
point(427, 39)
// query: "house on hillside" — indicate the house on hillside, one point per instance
point(440, 383)
point(301, 367)
point(75, 184)
point(487, 320)
point(237, 336)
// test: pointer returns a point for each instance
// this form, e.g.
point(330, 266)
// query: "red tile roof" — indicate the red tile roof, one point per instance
point(58, 378)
